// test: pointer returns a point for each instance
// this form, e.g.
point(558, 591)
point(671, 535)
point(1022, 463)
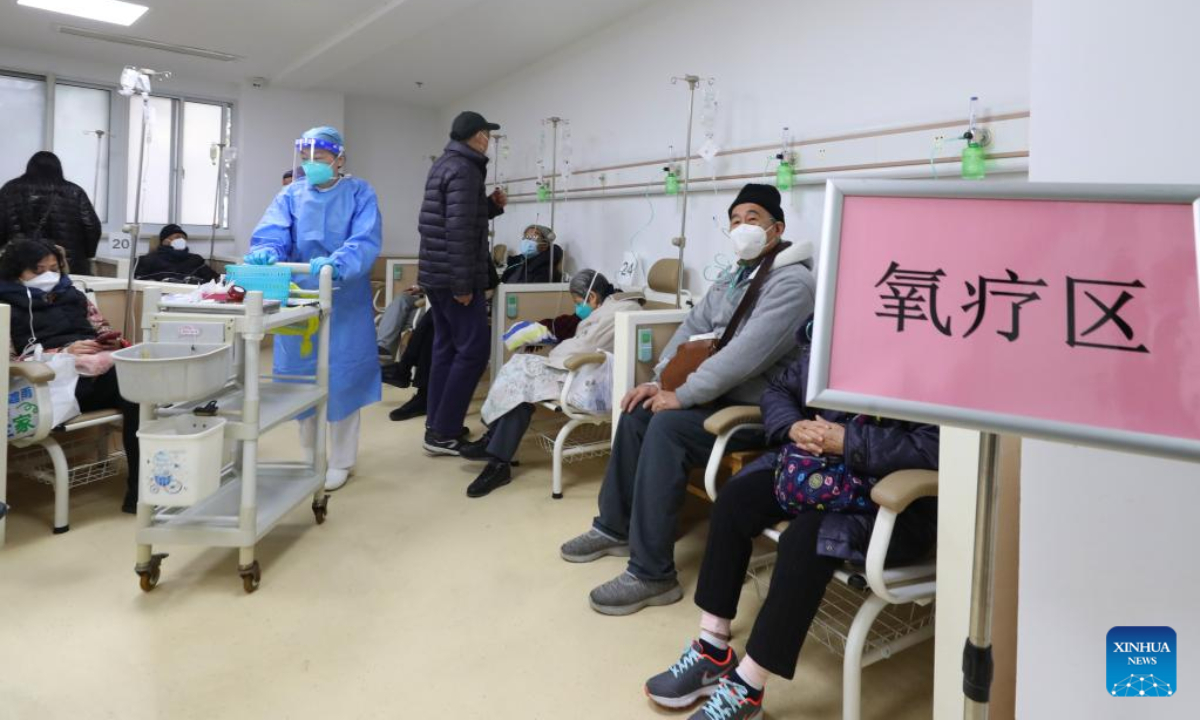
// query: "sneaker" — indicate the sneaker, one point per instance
point(477, 451)
point(696, 675)
point(409, 410)
point(336, 479)
point(592, 545)
point(437, 445)
point(731, 701)
point(627, 593)
point(496, 475)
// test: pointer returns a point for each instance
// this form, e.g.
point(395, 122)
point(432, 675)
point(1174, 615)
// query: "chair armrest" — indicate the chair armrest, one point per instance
point(578, 360)
point(35, 372)
point(900, 489)
point(724, 420)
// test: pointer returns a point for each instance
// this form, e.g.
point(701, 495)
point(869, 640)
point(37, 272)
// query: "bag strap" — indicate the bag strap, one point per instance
point(37, 231)
point(751, 297)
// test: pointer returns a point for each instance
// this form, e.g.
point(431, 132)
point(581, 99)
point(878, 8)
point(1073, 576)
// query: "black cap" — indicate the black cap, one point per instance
point(287, 174)
point(169, 230)
point(467, 124)
point(765, 196)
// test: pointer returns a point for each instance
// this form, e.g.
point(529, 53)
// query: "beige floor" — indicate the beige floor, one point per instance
point(410, 602)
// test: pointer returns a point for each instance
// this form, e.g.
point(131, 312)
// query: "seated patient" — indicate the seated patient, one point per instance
point(48, 310)
point(397, 317)
point(661, 435)
point(527, 378)
point(538, 259)
point(171, 261)
point(818, 539)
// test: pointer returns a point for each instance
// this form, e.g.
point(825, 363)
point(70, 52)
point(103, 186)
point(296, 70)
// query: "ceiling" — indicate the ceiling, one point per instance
point(369, 47)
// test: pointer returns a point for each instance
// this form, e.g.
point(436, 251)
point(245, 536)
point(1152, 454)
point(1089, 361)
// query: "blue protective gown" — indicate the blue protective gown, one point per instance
point(342, 223)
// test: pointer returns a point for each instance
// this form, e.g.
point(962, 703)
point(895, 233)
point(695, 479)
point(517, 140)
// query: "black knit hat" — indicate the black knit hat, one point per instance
point(764, 196)
point(169, 230)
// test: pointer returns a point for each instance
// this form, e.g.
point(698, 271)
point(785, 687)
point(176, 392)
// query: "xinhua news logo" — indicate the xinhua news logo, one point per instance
point(1141, 662)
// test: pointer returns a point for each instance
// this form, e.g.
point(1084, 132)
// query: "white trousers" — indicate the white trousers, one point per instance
point(343, 439)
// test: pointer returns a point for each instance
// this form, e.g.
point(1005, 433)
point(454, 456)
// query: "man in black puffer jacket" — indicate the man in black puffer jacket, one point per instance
point(42, 204)
point(455, 269)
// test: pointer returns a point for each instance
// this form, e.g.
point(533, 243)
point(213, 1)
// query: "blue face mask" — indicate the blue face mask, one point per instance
point(583, 310)
point(318, 173)
point(528, 247)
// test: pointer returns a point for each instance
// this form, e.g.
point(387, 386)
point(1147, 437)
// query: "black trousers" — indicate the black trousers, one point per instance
point(505, 434)
point(746, 507)
point(102, 393)
point(418, 353)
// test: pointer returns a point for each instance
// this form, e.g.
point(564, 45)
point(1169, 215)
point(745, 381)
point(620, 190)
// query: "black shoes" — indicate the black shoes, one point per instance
point(129, 506)
point(411, 409)
point(497, 474)
point(477, 451)
point(397, 374)
point(437, 445)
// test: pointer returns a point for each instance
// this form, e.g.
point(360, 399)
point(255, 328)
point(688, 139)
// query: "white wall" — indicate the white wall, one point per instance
point(819, 67)
point(1107, 538)
point(389, 144)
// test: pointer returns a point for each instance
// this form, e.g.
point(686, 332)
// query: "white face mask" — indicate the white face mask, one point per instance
point(179, 244)
point(748, 241)
point(44, 282)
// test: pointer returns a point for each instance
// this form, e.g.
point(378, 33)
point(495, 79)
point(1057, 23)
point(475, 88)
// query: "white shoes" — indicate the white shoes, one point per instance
point(335, 479)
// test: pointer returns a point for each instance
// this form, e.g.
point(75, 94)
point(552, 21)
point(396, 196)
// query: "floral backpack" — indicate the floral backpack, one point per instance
point(804, 481)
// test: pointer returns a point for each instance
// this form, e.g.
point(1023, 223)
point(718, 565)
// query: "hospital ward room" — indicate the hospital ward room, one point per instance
point(574, 360)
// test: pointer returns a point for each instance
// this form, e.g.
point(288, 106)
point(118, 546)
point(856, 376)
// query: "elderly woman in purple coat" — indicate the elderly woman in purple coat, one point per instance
point(853, 452)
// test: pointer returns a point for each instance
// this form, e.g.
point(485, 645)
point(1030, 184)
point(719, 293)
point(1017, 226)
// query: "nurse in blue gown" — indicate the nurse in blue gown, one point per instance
point(329, 218)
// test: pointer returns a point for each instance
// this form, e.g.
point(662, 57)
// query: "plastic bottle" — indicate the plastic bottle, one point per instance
point(973, 165)
point(671, 185)
point(785, 175)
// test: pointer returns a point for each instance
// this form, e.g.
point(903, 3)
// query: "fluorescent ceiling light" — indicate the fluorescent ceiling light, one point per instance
point(110, 11)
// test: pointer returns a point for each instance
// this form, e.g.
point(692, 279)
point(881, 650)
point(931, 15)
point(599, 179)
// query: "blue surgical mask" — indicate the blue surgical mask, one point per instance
point(317, 173)
point(528, 247)
point(583, 310)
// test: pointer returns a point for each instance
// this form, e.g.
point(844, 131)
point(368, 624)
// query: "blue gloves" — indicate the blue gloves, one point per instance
point(261, 256)
point(315, 265)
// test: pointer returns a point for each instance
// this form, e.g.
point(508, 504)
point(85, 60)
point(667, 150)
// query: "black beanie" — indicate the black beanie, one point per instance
point(765, 196)
point(169, 230)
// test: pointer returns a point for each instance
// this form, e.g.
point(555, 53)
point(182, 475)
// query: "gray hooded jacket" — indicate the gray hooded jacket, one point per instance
point(764, 345)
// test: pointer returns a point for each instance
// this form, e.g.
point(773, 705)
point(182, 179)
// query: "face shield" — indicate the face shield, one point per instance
point(304, 159)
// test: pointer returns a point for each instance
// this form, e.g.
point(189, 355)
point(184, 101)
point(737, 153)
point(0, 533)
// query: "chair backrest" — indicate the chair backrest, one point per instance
point(663, 276)
point(500, 254)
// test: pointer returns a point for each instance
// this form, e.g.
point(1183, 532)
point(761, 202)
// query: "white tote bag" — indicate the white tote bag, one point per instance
point(591, 391)
point(62, 387)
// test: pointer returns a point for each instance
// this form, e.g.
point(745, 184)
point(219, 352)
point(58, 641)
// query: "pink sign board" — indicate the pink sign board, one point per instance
point(1063, 315)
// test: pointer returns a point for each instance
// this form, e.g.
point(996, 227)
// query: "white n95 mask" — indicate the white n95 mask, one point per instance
point(179, 244)
point(748, 241)
point(44, 282)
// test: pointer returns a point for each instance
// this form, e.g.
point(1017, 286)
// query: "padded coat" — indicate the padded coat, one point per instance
point(454, 218)
point(57, 212)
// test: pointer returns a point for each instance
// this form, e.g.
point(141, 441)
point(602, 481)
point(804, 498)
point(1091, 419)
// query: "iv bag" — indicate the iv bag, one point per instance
point(708, 151)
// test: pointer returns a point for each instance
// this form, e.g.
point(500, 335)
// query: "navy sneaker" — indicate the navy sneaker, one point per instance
point(437, 445)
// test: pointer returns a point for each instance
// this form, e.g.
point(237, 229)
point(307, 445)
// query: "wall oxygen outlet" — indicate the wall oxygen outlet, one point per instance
point(510, 306)
point(645, 345)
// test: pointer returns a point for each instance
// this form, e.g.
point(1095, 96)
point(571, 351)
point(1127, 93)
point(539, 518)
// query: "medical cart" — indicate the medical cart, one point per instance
point(248, 498)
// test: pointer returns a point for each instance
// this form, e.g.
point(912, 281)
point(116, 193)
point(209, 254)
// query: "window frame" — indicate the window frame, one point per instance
point(119, 146)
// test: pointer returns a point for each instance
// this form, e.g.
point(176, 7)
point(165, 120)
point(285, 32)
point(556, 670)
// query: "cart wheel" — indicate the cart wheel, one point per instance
point(251, 576)
point(320, 509)
point(149, 573)
point(149, 580)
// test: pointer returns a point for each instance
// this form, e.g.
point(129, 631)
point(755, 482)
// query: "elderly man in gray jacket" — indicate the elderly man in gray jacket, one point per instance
point(661, 434)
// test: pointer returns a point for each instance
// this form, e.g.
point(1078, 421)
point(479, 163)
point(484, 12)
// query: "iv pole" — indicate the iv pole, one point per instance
point(497, 139)
point(135, 81)
point(554, 121)
point(681, 241)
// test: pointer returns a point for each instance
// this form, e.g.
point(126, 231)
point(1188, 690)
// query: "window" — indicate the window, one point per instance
point(180, 171)
point(22, 122)
point(81, 139)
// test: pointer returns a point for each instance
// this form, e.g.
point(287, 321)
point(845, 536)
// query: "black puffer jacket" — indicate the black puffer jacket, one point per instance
point(454, 216)
point(41, 205)
point(170, 265)
point(535, 269)
point(59, 317)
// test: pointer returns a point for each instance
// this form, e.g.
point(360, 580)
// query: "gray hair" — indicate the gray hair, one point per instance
point(581, 280)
